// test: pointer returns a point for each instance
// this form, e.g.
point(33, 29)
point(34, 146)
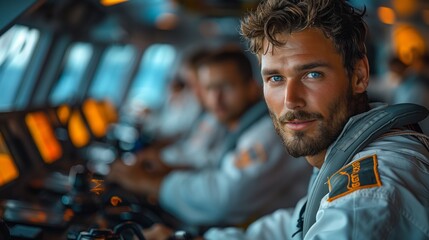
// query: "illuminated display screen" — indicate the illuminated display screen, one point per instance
point(78, 132)
point(44, 137)
point(94, 115)
point(8, 169)
point(109, 111)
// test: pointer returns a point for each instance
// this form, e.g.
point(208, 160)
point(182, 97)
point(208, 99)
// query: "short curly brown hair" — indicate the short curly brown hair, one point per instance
point(338, 20)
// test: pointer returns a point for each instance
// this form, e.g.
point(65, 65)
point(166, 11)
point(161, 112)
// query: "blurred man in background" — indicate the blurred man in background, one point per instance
point(250, 176)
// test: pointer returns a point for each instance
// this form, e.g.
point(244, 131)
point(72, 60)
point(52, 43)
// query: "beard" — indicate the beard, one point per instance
point(302, 143)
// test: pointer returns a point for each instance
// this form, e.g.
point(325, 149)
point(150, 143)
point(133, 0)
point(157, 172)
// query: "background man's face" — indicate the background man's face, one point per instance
point(224, 90)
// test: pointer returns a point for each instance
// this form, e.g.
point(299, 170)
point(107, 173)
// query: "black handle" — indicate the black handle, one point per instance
point(137, 230)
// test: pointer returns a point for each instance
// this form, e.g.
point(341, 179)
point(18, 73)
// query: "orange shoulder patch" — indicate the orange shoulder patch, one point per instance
point(250, 156)
point(362, 173)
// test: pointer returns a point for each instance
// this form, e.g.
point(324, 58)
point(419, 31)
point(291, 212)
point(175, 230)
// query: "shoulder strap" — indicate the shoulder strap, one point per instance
point(358, 132)
point(249, 118)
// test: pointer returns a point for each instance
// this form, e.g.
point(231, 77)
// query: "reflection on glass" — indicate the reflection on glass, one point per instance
point(149, 85)
point(112, 74)
point(16, 48)
point(71, 77)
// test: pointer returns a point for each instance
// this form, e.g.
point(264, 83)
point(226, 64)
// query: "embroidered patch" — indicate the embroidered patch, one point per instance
point(362, 173)
point(250, 156)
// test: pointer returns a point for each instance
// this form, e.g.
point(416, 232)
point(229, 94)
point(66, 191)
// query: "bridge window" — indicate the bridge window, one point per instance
point(17, 46)
point(149, 85)
point(70, 81)
point(113, 74)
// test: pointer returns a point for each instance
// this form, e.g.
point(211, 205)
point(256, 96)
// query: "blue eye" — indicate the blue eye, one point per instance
point(276, 78)
point(314, 75)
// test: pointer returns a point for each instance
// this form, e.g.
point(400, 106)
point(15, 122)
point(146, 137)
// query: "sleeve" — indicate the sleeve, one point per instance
point(184, 152)
point(246, 183)
point(197, 197)
point(279, 225)
point(358, 215)
point(173, 154)
point(394, 209)
point(193, 149)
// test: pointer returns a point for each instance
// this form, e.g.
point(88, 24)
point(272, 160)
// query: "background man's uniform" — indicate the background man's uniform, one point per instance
point(199, 148)
point(254, 177)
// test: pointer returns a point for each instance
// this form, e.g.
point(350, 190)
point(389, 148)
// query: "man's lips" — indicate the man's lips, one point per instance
point(298, 125)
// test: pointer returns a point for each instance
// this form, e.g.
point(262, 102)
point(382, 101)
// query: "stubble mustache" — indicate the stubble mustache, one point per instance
point(299, 115)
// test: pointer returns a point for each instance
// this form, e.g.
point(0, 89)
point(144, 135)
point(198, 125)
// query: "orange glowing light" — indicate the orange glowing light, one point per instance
point(94, 116)
point(63, 113)
point(98, 187)
point(405, 8)
point(44, 136)
point(68, 215)
point(109, 111)
point(386, 15)
point(408, 43)
point(115, 200)
point(8, 170)
point(108, 3)
point(37, 217)
point(79, 135)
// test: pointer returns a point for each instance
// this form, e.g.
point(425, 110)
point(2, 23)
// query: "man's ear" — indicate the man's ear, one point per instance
point(360, 78)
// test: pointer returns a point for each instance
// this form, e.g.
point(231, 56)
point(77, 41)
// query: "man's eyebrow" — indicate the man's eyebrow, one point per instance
point(299, 68)
point(267, 71)
point(311, 65)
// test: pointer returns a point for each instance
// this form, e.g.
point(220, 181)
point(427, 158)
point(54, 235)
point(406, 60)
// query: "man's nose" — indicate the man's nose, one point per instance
point(294, 93)
point(215, 94)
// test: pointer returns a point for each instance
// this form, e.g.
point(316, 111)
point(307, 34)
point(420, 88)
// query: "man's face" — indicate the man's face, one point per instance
point(307, 90)
point(224, 90)
point(191, 77)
